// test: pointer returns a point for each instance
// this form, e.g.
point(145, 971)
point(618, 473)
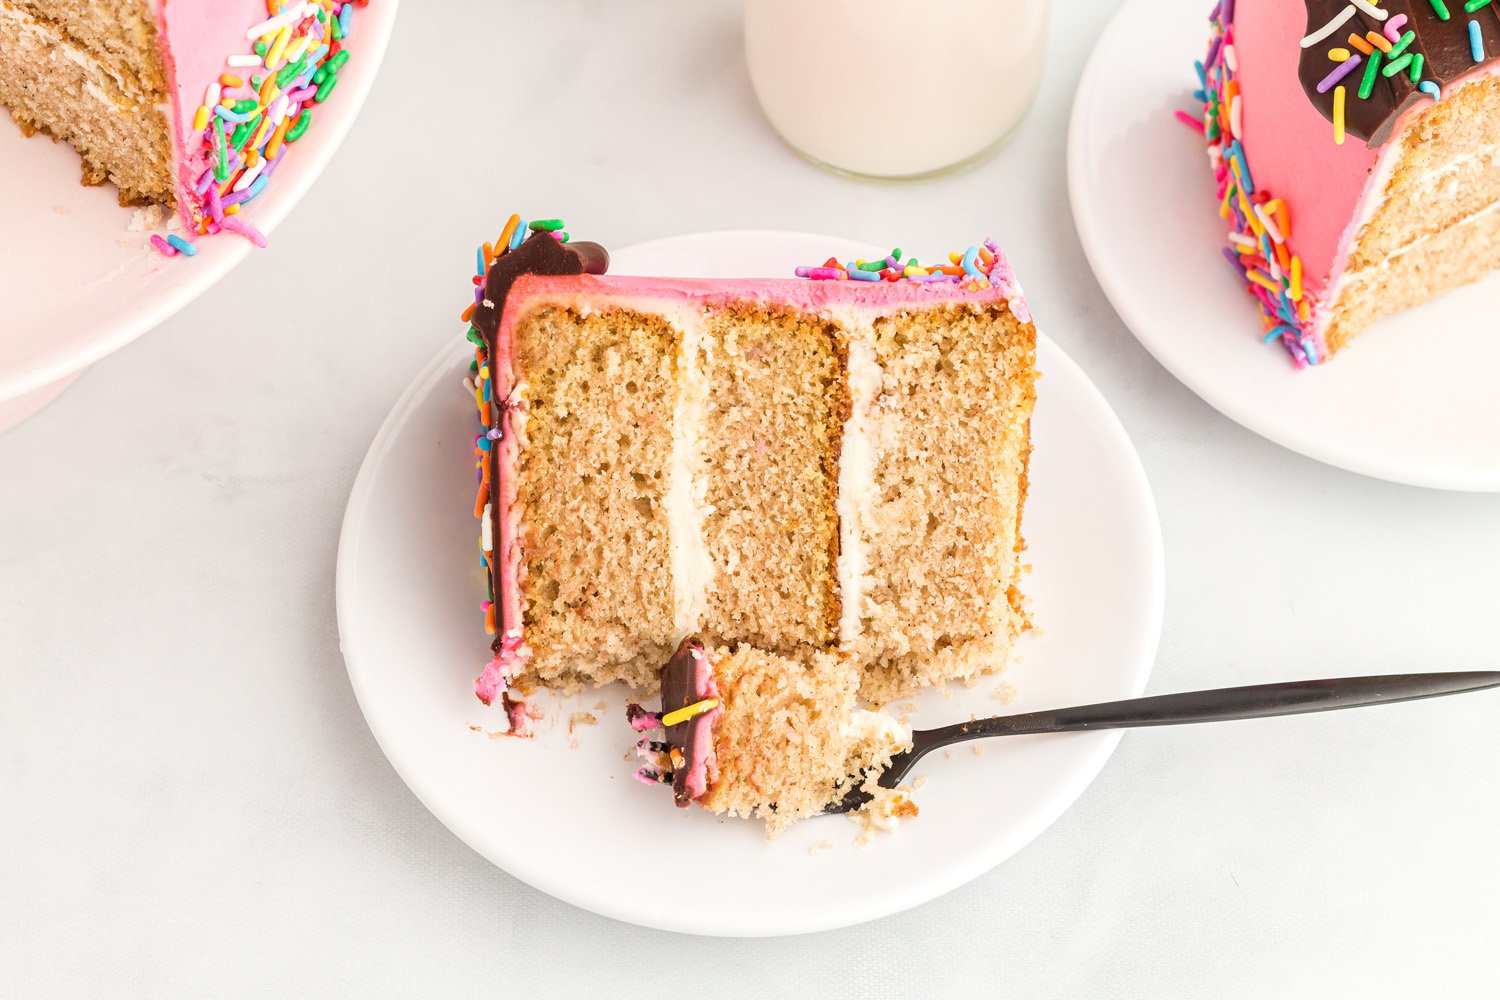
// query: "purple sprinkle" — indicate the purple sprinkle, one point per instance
point(1340, 71)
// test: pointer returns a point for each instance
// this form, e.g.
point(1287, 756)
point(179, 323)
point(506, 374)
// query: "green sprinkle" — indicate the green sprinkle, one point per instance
point(476, 338)
point(563, 238)
point(221, 162)
point(255, 83)
point(304, 119)
point(337, 62)
point(1416, 67)
point(289, 71)
point(1440, 9)
point(1396, 65)
point(320, 76)
point(1367, 85)
point(260, 49)
point(243, 134)
point(1474, 5)
point(546, 225)
point(1401, 45)
point(872, 265)
point(338, 32)
point(244, 105)
point(325, 89)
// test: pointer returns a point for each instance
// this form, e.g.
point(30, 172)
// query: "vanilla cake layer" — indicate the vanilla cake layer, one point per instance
point(806, 466)
point(110, 107)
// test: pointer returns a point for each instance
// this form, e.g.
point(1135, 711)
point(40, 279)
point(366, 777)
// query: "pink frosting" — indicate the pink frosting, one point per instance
point(1289, 144)
point(196, 37)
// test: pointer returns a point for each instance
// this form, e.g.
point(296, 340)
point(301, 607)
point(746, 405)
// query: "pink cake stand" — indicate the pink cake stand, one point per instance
point(76, 283)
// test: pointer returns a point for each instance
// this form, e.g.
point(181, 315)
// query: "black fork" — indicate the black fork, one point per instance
point(1256, 701)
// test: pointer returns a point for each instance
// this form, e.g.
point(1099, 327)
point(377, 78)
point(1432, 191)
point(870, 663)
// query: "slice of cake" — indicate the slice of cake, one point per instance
point(744, 732)
point(1356, 144)
point(808, 466)
point(187, 104)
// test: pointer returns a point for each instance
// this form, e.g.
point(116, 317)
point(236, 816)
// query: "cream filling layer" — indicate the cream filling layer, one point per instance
point(686, 497)
point(856, 493)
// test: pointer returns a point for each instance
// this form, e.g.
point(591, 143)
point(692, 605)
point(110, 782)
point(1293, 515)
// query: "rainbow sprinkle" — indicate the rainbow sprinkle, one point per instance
point(495, 680)
point(249, 117)
point(981, 266)
point(1260, 238)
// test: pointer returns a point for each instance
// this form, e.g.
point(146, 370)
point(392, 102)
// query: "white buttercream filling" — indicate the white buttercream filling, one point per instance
point(687, 494)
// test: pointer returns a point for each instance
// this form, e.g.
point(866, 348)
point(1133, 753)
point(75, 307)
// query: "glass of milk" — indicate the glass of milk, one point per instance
point(883, 88)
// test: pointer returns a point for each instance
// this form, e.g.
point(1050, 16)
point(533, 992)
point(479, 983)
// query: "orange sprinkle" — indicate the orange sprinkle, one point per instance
point(1304, 310)
point(230, 80)
point(1296, 270)
point(986, 256)
point(1379, 41)
point(482, 499)
point(509, 231)
point(1361, 44)
point(489, 620)
point(274, 146)
point(268, 90)
point(467, 313)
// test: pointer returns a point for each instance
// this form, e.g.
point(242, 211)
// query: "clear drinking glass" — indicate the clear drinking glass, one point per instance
point(882, 88)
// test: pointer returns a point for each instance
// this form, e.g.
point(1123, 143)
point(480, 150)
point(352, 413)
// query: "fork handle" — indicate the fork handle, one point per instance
point(1256, 701)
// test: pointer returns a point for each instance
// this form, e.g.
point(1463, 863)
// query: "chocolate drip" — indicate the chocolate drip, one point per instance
point(1443, 45)
point(679, 689)
point(540, 253)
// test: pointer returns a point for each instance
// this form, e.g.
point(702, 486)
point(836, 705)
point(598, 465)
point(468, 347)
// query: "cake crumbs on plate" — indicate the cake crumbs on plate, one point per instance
point(949, 754)
point(1005, 693)
point(979, 749)
point(819, 847)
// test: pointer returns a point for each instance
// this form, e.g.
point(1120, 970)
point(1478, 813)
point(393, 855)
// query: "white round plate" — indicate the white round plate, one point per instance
point(562, 811)
point(76, 284)
point(1413, 400)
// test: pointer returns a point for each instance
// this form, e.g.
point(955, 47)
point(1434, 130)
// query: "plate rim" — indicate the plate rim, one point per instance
point(56, 364)
point(914, 894)
point(1090, 234)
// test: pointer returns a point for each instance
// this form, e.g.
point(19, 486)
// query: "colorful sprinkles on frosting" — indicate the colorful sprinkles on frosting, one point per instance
point(502, 669)
point(251, 114)
point(1384, 53)
point(979, 267)
point(1259, 240)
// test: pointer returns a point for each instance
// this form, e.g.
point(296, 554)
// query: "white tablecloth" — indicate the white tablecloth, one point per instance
point(191, 805)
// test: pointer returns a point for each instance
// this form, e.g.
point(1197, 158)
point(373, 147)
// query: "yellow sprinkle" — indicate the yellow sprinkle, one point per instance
point(278, 48)
point(688, 711)
point(1261, 280)
point(1296, 279)
point(1339, 55)
point(1338, 114)
point(913, 271)
point(200, 120)
point(232, 209)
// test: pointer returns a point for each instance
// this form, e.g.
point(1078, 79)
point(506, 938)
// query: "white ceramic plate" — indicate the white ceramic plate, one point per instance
point(562, 812)
point(1413, 400)
point(76, 284)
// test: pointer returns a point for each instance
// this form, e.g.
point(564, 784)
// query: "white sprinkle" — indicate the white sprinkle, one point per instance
point(1334, 25)
point(288, 16)
point(1240, 239)
point(1231, 58)
point(248, 177)
point(243, 62)
point(1236, 116)
point(212, 94)
point(1272, 230)
point(1371, 9)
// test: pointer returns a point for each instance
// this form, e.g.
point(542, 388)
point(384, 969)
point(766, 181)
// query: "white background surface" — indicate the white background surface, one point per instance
point(190, 804)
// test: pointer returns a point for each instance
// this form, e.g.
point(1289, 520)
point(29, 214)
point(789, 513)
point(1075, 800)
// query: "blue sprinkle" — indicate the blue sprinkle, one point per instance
point(1431, 89)
point(1476, 42)
point(484, 443)
point(346, 19)
point(479, 260)
point(859, 274)
point(518, 235)
point(182, 245)
point(232, 117)
point(255, 189)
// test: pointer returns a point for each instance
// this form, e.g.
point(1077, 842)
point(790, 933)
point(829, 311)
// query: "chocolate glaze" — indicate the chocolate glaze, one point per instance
point(540, 253)
point(679, 688)
point(1444, 46)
